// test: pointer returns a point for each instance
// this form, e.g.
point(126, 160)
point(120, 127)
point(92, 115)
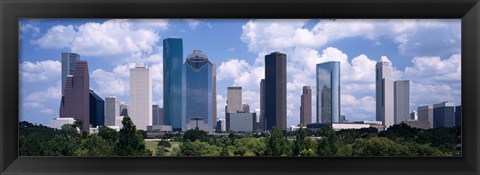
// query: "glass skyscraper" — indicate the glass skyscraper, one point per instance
point(328, 92)
point(275, 91)
point(198, 92)
point(172, 82)
point(68, 66)
point(97, 110)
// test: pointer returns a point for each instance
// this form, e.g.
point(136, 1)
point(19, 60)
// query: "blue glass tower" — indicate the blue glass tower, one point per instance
point(97, 110)
point(328, 92)
point(198, 90)
point(172, 82)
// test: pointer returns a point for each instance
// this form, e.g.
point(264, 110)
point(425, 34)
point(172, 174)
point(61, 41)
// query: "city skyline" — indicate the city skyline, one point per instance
point(241, 64)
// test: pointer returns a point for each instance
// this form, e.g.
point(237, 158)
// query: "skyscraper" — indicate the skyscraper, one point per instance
point(262, 105)
point(306, 106)
point(401, 101)
point(384, 92)
point(157, 115)
point(443, 115)
point(123, 110)
point(172, 82)
point(140, 108)
point(214, 93)
point(198, 92)
point(97, 110)
point(328, 92)
point(234, 103)
point(425, 113)
point(112, 110)
point(68, 66)
point(76, 101)
point(276, 91)
point(458, 115)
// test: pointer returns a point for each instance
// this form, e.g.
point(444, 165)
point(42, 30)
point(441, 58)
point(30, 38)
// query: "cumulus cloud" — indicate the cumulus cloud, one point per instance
point(414, 37)
point(115, 38)
point(40, 71)
point(231, 69)
point(192, 23)
point(27, 28)
point(433, 69)
point(38, 99)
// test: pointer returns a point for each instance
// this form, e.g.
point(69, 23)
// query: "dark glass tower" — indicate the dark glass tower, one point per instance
point(306, 106)
point(328, 92)
point(68, 66)
point(198, 93)
point(172, 82)
point(97, 110)
point(276, 91)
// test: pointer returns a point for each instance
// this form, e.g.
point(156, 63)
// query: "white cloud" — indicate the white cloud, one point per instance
point(38, 99)
point(109, 84)
point(56, 37)
point(47, 111)
point(414, 37)
point(433, 69)
point(232, 68)
point(28, 29)
point(192, 23)
point(40, 71)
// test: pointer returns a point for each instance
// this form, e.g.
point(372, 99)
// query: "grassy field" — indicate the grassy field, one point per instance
point(152, 146)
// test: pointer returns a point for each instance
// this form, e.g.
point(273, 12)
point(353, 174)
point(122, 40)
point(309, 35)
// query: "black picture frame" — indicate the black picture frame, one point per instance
point(466, 10)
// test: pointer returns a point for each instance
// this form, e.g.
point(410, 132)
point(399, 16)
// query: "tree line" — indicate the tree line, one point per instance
point(397, 140)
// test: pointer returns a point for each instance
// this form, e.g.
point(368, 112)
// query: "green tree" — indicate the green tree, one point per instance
point(277, 145)
point(329, 144)
point(379, 146)
point(108, 134)
point(94, 145)
point(249, 146)
point(160, 151)
point(192, 135)
point(300, 141)
point(199, 148)
point(130, 141)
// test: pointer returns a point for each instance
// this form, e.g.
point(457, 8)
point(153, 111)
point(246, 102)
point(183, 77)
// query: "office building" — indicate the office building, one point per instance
point(425, 113)
point(221, 126)
point(458, 115)
point(275, 100)
point(97, 110)
point(140, 106)
point(57, 123)
point(262, 105)
point(246, 108)
point(306, 106)
point(157, 115)
point(242, 122)
point(112, 110)
point(76, 102)
point(234, 103)
point(413, 115)
point(328, 92)
point(401, 101)
point(214, 93)
point(443, 115)
point(68, 66)
point(123, 110)
point(384, 92)
point(172, 82)
point(198, 91)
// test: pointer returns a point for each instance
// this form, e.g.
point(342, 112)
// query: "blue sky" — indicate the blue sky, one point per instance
point(426, 52)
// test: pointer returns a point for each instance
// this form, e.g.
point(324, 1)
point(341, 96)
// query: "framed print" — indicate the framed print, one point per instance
point(272, 87)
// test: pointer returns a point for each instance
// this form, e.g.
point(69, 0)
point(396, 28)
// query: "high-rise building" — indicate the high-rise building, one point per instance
point(140, 107)
point(234, 103)
point(112, 110)
point(123, 110)
point(443, 115)
point(172, 82)
point(68, 66)
point(157, 115)
point(198, 91)
point(76, 101)
point(97, 110)
point(425, 113)
point(246, 108)
point(220, 125)
point(384, 92)
point(458, 115)
point(401, 101)
point(328, 92)
point(242, 122)
point(262, 105)
point(214, 93)
point(306, 106)
point(276, 91)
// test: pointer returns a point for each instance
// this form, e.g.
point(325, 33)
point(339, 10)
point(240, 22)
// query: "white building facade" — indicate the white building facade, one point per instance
point(140, 107)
